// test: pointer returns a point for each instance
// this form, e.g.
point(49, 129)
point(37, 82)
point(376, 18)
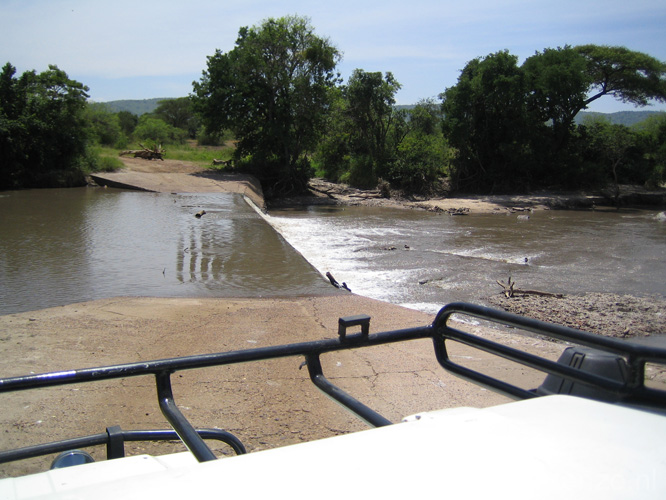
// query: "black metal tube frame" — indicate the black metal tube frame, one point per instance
point(114, 438)
point(439, 332)
point(636, 355)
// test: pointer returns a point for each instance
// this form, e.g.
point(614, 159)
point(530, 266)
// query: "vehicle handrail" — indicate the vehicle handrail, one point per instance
point(631, 391)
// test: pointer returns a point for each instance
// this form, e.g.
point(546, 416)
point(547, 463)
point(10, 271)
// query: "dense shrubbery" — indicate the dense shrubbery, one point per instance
point(513, 126)
point(42, 129)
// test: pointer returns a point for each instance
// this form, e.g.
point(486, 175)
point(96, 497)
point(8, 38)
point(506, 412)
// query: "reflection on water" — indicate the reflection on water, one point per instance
point(425, 260)
point(59, 246)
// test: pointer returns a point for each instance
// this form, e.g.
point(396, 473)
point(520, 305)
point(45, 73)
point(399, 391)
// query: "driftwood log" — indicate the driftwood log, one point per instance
point(157, 153)
point(226, 163)
point(335, 283)
point(510, 290)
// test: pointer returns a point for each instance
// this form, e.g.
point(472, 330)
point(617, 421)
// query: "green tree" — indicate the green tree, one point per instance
point(486, 121)
point(564, 81)
point(103, 125)
point(615, 148)
point(178, 113)
point(333, 153)
point(272, 91)
point(128, 122)
point(651, 137)
point(157, 131)
point(422, 155)
point(513, 127)
point(377, 127)
point(630, 76)
point(42, 129)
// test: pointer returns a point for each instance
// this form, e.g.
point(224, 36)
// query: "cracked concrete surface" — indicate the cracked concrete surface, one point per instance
point(266, 404)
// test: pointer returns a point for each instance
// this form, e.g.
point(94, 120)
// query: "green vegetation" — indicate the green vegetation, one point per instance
point(273, 91)
point(42, 129)
point(370, 141)
point(513, 126)
point(275, 105)
point(200, 155)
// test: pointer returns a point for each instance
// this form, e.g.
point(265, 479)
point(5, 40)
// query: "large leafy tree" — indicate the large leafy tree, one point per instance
point(178, 113)
point(630, 76)
point(514, 126)
point(374, 119)
point(564, 81)
point(272, 91)
point(42, 128)
point(485, 120)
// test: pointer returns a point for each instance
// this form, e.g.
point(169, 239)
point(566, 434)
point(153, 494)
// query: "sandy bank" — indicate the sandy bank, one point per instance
point(323, 192)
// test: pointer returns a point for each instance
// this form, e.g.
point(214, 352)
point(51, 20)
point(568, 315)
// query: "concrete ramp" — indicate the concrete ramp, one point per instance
point(176, 182)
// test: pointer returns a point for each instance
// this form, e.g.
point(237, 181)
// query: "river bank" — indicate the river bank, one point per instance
point(608, 314)
point(322, 192)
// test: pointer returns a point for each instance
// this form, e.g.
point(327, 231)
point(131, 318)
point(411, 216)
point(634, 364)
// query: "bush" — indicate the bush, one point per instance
point(103, 125)
point(159, 132)
point(421, 160)
point(361, 173)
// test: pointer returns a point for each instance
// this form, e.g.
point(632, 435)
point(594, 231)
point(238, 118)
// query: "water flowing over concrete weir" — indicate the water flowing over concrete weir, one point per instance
point(271, 222)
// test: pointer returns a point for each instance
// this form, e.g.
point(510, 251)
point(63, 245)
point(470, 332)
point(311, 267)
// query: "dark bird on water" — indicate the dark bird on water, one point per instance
point(199, 214)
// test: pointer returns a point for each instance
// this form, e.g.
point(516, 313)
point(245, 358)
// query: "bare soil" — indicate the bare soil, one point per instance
point(323, 192)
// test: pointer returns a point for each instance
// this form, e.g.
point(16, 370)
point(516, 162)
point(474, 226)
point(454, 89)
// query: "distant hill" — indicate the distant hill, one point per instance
point(136, 106)
point(142, 106)
point(627, 118)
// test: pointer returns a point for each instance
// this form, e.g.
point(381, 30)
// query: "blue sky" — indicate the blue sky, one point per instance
point(142, 49)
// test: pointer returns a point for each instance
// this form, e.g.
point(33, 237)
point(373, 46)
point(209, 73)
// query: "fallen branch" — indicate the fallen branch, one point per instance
point(157, 153)
point(510, 291)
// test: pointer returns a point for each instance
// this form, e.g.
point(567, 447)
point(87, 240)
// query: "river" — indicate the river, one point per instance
point(423, 260)
point(63, 246)
point(60, 246)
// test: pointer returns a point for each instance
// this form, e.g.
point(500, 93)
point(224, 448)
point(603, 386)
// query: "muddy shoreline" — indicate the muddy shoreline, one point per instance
point(322, 192)
point(607, 314)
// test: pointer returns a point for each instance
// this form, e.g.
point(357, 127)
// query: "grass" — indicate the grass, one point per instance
point(199, 155)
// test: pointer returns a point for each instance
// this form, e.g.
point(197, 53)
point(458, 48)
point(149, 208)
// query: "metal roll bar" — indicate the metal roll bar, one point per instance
point(631, 391)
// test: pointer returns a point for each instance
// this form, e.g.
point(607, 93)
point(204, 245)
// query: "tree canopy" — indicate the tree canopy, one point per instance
point(42, 128)
point(513, 126)
point(272, 91)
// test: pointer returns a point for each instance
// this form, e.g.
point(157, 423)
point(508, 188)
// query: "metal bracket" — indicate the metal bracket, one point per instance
point(360, 319)
point(115, 447)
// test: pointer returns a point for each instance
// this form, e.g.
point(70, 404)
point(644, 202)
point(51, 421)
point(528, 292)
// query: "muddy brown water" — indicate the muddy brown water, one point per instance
point(60, 246)
point(424, 260)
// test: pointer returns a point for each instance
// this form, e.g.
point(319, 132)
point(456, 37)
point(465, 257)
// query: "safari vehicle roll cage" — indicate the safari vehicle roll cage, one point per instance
point(625, 386)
